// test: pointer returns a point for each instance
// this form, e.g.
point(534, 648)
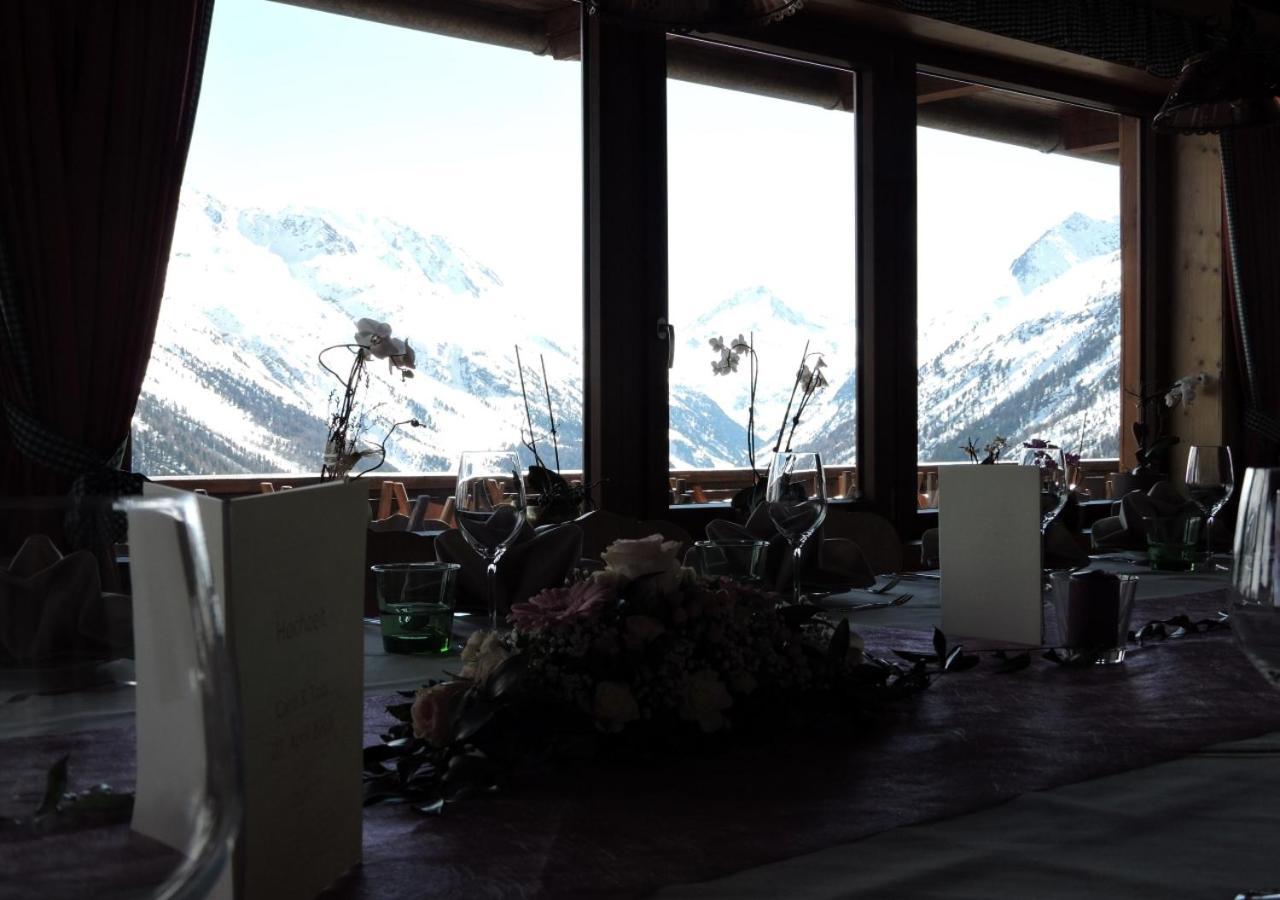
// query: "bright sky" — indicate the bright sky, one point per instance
point(483, 145)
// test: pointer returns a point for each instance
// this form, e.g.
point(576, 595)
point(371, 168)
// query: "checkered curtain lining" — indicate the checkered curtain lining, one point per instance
point(32, 438)
point(1104, 29)
point(11, 334)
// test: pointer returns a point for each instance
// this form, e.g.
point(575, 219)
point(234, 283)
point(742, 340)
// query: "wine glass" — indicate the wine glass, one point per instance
point(490, 509)
point(796, 495)
point(1210, 482)
point(1052, 464)
point(76, 654)
point(1255, 600)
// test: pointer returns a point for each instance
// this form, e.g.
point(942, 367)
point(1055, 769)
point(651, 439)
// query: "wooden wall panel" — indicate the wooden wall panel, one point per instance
point(1193, 282)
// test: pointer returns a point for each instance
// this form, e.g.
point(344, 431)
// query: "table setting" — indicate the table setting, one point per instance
point(689, 720)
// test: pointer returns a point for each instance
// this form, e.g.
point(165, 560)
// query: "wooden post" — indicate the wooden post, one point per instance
point(625, 233)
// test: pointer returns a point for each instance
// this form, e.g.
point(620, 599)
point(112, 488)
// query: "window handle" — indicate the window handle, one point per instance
point(667, 332)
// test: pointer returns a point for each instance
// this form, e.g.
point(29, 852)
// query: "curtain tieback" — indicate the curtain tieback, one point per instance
point(38, 442)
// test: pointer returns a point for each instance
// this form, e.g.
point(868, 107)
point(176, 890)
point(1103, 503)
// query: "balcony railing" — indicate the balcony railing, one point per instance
point(688, 486)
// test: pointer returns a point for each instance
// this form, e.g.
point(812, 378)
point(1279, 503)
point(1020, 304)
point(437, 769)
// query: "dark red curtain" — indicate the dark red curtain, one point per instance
point(97, 100)
point(1251, 182)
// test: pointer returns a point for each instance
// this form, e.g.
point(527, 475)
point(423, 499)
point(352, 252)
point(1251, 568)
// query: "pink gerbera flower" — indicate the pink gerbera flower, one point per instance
point(583, 601)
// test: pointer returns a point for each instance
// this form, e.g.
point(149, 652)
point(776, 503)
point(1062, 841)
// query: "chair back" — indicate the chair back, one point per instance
point(875, 535)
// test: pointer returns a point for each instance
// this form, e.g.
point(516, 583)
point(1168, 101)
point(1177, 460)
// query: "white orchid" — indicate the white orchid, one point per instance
point(740, 345)
point(373, 336)
point(372, 340)
point(717, 344)
point(1184, 389)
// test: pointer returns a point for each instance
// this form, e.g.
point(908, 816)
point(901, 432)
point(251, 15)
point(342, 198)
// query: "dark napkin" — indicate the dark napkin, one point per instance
point(1126, 531)
point(534, 561)
point(52, 607)
point(827, 562)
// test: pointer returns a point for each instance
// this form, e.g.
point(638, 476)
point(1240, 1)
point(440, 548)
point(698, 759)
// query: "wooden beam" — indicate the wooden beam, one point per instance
point(932, 90)
point(564, 33)
point(1088, 131)
point(1132, 284)
point(625, 231)
point(886, 234)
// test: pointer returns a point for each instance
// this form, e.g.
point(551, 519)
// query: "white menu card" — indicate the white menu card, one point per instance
point(990, 552)
point(289, 567)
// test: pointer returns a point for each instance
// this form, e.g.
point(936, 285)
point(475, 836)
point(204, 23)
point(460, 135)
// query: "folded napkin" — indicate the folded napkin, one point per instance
point(834, 562)
point(1061, 549)
point(52, 607)
point(1126, 531)
point(536, 560)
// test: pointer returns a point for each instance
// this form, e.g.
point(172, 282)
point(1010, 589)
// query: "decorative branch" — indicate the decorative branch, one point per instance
point(551, 413)
point(786, 415)
point(532, 443)
point(382, 445)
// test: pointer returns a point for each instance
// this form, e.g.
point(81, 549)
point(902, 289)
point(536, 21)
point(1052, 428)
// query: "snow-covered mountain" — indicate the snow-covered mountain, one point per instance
point(254, 295)
point(1041, 363)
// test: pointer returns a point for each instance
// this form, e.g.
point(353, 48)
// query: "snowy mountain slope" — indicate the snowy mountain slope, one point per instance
point(253, 296)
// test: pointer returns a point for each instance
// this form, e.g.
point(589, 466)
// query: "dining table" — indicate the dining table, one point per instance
point(1155, 777)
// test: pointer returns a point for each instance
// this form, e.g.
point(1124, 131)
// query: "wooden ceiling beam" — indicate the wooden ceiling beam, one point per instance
point(564, 32)
point(950, 92)
point(1088, 131)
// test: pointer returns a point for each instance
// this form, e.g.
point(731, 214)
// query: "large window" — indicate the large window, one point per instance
point(1019, 274)
point(761, 245)
point(343, 169)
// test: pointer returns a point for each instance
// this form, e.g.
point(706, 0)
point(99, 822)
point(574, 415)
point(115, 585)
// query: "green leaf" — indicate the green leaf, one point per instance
point(401, 711)
point(1011, 664)
point(377, 754)
point(939, 644)
point(473, 717)
point(507, 675)
point(839, 646)
point(913, 656)
point(795, 616)
point(55, 785)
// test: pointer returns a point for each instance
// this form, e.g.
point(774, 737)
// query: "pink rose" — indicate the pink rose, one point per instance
point(583, 601)
point(433, 711)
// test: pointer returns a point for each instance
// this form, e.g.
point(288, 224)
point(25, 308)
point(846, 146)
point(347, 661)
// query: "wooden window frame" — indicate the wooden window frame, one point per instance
point(625, 379)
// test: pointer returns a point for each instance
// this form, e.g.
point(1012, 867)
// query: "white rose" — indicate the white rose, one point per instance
point(614, 706)
point(483, 653)
point(705, 699)
point(646, 556)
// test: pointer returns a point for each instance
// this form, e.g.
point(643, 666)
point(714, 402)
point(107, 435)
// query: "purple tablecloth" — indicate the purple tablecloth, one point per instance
point(974, 739)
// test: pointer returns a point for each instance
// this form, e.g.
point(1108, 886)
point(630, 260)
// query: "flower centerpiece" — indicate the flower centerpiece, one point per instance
point(642, 656)
point(343, 447)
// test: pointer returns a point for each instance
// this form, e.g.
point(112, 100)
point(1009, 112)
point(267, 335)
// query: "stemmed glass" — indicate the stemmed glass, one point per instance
point(490, 510)
point(796, 495)
point(75, 657)
point(1210, 481)
point(1255, 593)
point(1052, 464)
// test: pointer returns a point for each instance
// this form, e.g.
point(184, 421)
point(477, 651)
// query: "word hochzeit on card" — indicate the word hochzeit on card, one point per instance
point(289, 569)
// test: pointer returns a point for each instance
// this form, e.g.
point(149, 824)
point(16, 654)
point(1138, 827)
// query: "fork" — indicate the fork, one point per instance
point(886, 587)
point(883, 604)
